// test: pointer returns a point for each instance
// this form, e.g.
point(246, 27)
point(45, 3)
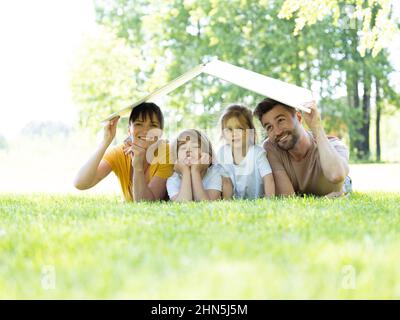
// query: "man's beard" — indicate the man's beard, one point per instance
point(290, 141)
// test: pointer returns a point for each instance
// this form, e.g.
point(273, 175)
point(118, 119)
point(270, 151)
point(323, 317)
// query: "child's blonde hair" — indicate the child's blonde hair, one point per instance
point(243, 114)
point(193, 135)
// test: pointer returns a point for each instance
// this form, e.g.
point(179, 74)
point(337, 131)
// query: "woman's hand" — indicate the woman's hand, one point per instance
point(110, 130)
point(127, 145)
point(137, 150)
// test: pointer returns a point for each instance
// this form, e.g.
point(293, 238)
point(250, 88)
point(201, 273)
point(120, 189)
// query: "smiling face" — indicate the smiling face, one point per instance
point(146, 129)
point(282, 127)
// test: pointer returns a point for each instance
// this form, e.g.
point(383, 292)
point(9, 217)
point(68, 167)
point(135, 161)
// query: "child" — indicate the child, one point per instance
point(246, 170)
point(195, 176)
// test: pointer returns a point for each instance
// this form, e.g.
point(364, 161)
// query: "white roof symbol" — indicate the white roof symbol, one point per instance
point(281, 91)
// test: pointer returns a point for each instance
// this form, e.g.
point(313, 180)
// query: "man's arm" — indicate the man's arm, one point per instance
point(334, 167)
point(283, 185)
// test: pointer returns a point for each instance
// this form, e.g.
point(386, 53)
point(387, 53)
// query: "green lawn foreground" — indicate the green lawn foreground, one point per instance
point(55, 246)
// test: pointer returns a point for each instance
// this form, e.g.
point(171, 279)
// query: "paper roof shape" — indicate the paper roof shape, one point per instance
point(281, 91)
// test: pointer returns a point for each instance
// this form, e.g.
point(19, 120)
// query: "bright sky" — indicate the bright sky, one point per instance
point(37, 43)
point(38, 39)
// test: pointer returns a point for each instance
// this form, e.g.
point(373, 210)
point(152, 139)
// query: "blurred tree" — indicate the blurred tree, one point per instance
point(245, 33)
point(104, 77)
point(361, 31)
point(377, 25)
point(324, 44)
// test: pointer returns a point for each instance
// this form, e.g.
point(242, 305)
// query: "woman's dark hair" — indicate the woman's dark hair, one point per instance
point(147, 109)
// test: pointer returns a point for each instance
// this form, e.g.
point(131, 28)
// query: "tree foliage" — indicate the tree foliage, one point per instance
point(325, 45)
point(105, 76)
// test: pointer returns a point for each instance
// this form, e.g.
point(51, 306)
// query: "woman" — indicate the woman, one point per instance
point(142, 167)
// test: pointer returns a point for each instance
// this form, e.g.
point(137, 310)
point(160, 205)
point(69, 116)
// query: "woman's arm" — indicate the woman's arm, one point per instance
point(153, 191)
point(269, 185)
point(95, 170)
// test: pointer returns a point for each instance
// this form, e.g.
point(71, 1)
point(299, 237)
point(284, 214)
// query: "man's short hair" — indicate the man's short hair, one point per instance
point(267, 105)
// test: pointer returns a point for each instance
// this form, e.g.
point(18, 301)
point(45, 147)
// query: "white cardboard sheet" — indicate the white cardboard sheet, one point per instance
point(281, 91)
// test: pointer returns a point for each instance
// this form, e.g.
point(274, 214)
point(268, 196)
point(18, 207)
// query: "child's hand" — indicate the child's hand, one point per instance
point(205, 159)
point(198, 167)
point(203, 163)
point(181, 167)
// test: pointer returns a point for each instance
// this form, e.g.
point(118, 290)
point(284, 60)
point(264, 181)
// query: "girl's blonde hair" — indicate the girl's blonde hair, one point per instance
point(243, 114)
point(192, 135)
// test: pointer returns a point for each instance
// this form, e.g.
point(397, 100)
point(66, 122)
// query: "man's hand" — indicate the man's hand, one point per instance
point(312, 119)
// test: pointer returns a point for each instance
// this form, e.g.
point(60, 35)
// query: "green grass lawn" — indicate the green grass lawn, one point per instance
point(97, 247)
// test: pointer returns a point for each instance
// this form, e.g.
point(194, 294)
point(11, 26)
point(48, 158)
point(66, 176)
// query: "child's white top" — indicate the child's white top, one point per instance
point(247, 177)
point(212, 180)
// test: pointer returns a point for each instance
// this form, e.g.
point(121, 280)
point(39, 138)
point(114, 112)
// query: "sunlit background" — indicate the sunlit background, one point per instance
point(40, 45)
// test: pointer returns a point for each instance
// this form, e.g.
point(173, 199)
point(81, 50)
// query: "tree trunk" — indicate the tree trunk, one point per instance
point(353, 79)
point(364, 150)
point(297, 73)
point(378, 120)
point(354, 138)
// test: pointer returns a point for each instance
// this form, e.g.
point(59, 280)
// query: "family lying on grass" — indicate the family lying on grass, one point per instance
point(291, 160)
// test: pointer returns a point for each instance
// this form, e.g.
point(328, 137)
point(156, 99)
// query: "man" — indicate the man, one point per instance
point(303, 162)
